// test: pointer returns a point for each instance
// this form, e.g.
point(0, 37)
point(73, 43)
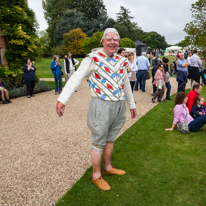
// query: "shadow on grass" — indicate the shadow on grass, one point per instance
point(163, 168)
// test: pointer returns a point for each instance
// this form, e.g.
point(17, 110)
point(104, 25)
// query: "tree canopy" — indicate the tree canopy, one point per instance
point(94, 12)
point(155, 40)
point(92, 42)
point(126, 27)
point(71, 19)
point(18, 24)
point(196, 29)
point(73, 41)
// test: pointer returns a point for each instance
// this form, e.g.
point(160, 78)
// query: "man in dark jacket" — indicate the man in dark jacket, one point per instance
point(70, 64)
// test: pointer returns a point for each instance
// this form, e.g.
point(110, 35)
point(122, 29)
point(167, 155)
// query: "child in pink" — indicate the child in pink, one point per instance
point(159, 82)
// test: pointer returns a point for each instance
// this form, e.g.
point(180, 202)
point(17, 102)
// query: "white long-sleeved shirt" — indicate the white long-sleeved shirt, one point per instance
point(71, 64)
point(133, 67)
point(85, 68)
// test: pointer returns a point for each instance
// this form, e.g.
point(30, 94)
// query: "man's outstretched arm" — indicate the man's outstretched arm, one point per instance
point(73, 83)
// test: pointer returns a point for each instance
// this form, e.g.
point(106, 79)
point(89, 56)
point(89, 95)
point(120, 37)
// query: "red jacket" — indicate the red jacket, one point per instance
point(191, 99)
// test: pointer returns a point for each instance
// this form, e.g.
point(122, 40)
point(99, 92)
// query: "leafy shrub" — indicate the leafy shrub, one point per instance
point(40, 86)
point(47, 55)
point(11, 78)
point(59, 51)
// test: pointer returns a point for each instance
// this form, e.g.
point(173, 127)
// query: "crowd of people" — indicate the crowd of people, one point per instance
point(110, 87)
point(112, 79)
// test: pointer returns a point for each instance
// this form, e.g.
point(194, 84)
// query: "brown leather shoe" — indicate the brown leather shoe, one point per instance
point(114, 171)
point(101, 183)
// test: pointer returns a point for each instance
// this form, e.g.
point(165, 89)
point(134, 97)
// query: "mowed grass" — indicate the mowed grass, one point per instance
point(43, 67)
point(163, 168)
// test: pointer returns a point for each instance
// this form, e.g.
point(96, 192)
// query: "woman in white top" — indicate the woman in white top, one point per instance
point(132, 69)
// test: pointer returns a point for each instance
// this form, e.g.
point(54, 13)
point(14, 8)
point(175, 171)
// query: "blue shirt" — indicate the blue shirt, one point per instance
point(179, 63)
point(56, 70)
point(142, 63)
point(29, 75)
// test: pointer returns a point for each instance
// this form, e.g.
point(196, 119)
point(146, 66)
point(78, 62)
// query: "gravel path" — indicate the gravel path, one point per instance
point(42, 155)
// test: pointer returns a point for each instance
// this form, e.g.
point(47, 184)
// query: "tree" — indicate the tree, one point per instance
point(125, 26)
point(126, 42)
point(92, 42)
point(44, 40)
point(71, 19)
point(196, 29)
point(73, 41)
point(19, 26)
point(54, 11)
point(155, 40)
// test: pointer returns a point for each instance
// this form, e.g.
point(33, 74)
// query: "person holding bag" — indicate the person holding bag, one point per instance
point(159, 83)
point(184, 121)
point(155, 62)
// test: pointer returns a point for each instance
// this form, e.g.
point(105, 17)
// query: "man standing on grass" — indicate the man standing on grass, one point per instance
point(109, 86)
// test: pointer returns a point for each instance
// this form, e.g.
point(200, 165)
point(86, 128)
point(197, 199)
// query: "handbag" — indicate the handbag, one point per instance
point(159, 84)
point(183, 127)
point(23, 80)
point(148, 75)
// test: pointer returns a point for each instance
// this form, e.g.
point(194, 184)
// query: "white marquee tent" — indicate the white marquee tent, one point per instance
point(173, 49)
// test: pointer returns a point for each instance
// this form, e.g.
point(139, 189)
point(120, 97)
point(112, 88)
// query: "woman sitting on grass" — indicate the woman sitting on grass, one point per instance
point(159, 83)
point(180, 112)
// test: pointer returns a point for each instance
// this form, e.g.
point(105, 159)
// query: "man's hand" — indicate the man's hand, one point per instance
point(151, 68)
point(60, 108)
point(200, 113)
point(67, 75)
point(133, 113)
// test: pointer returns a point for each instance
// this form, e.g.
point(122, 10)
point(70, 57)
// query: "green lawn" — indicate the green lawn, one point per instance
point(163, 168)
point(43, 67)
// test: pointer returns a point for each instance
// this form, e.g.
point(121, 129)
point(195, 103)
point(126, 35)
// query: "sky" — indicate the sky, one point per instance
point(167, 17)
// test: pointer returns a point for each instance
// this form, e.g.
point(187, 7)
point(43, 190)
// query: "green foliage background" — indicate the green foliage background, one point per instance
point(18, 25)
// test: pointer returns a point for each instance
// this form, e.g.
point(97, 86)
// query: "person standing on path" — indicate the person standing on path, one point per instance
point(69, 64)
point(155, 63)
point(30, 77)
point(109, 86)
point(159, 82)
point(194, 73)
point(132, 69)
point(143, 65)
point(56, 70)
point(167, 77)
point(182, 65)
point(188, 59)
